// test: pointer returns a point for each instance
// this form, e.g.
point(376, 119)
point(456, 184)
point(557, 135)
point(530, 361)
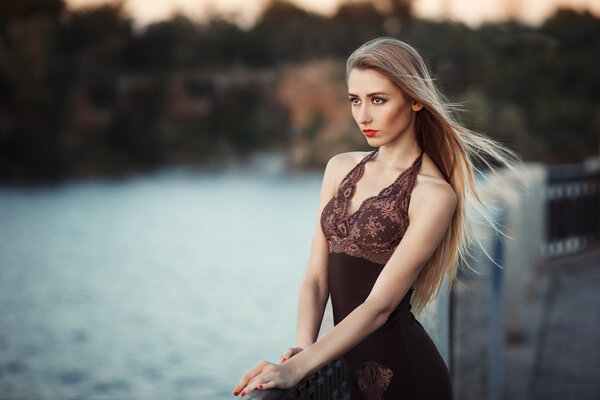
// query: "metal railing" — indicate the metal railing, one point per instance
point(573, 209)
point(327, 383)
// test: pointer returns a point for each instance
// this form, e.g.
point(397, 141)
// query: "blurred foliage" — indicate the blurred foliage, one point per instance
point(82, 92)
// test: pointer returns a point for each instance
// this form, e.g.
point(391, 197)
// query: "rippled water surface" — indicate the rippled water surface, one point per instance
point(169, 285)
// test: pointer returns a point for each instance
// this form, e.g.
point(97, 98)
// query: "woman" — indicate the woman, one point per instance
point(364, 251)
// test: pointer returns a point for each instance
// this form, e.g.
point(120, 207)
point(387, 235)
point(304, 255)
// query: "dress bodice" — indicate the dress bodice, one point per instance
point(376, 228)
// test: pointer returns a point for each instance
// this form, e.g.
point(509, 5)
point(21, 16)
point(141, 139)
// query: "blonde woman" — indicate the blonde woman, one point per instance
point(391, 226)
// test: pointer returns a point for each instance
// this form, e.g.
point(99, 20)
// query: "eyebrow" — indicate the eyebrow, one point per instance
point(370, 94)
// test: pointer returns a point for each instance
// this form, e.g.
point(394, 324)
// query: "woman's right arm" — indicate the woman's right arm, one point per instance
point(314, 291)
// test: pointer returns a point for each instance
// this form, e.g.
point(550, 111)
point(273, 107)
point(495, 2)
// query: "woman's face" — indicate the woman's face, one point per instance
point(381, 110)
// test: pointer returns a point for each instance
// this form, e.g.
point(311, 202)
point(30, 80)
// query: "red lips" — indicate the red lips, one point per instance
point(369, 132)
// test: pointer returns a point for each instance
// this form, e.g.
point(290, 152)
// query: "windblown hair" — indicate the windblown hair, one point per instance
point(452, 147)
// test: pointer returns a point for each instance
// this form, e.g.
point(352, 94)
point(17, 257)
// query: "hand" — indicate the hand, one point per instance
point(266, 375)
point(289, 353)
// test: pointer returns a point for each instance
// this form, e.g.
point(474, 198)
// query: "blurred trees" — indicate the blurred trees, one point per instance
point(29, 124)
point(82, 92)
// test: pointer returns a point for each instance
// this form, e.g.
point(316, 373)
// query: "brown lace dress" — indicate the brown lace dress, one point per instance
point(399, 360)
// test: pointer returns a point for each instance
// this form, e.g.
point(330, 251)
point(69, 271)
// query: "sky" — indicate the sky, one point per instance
point(471, 12)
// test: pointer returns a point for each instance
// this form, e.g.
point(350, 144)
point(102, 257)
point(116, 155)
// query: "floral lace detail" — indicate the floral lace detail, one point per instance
point(373, 379)
point(374, 231)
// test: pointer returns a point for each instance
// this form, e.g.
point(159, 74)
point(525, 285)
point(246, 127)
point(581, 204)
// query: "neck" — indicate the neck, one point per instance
point(400, 154)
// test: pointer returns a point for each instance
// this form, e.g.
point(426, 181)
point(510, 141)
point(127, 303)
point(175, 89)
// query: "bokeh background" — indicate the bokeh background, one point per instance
point(88, 91)
point(160, 166)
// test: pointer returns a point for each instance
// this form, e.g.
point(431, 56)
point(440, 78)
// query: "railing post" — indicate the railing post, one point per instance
point(496, 363)
point(443, 325)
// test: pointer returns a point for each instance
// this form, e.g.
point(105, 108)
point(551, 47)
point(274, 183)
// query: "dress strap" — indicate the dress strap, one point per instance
point(406, 180)
point(369, 156)
point(417, 162)
point(353, 175)
point(356, 172)
point(414, 171)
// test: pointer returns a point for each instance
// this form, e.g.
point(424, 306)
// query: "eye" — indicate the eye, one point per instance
point(378, 100)
point(354, 101)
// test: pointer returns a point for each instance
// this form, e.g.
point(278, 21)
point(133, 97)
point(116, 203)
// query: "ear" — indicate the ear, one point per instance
point(417, 106)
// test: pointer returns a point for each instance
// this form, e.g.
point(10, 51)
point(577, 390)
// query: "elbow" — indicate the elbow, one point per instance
point(318, 274)
point(317, 285)
point(381, 310)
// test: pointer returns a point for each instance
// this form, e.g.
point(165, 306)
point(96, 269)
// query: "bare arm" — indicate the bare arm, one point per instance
point(431, 211)
point(315, 287)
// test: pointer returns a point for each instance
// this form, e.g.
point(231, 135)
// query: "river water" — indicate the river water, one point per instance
point(168, 285)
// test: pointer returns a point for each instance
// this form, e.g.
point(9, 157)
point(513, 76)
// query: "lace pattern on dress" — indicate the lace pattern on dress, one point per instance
point(373, 379)
point(374, 231)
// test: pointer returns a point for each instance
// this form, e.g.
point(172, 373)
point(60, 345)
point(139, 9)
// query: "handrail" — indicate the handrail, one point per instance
point(327, 383)
point(573, 211)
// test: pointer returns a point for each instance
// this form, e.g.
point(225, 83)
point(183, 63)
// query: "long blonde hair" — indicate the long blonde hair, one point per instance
point(452, 147)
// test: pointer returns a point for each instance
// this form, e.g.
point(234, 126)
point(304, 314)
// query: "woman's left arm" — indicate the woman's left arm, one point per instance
point(431, 209)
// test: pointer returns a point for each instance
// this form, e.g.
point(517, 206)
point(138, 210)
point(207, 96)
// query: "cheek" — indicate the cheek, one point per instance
point(387, 117)
point(399, 117)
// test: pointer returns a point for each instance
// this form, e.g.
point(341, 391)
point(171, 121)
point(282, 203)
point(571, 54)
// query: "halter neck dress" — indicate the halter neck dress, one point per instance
point(399, 360)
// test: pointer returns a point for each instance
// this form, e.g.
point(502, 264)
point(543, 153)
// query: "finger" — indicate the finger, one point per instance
point(268, 385)
point(284, 357)
point(249, 376)
point(269, 374)
point(291, 352)
point(257, 383)
point(286, 354)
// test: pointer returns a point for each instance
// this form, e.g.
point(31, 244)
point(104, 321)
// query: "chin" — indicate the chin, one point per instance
point(374, 141)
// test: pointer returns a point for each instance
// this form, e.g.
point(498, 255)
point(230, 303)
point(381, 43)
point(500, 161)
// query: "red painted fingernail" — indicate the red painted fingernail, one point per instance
point(243, 394)
point(235, 393)
point(283, 359)
point(260, 386)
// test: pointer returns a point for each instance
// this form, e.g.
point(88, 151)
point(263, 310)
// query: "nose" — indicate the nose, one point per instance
point(364, 115)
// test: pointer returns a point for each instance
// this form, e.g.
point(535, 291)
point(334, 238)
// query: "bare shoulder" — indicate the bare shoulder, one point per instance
point(436, 190)
point(432, 189)
point(348, 159)
point(341, 164)
point(433, 201)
